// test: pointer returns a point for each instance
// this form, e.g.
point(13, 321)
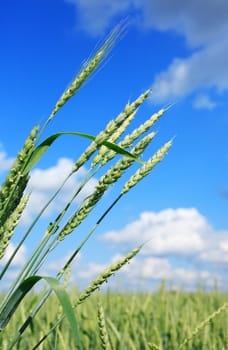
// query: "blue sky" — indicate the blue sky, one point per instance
point(180, 50)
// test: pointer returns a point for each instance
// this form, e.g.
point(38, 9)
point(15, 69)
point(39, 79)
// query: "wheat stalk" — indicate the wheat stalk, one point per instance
point(94, 285)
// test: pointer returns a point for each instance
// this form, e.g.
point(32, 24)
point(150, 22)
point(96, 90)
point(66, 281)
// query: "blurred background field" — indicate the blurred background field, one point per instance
point(133, 321)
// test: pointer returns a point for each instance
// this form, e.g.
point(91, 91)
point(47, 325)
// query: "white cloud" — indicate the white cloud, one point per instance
point(5, 161)
point(179, 233)
point(203, 102)
point(44, 182)
point(202, 23)
point(217, 251)
point(182, 248)
point(170, 231)
point(189, 19)
point(149, 268)
point(95, 16)
point(203, 69)
point(157, 269)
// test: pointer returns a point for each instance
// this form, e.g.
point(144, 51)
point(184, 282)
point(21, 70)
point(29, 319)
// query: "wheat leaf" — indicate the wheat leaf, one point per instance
point(25, 287)
point(44, 146)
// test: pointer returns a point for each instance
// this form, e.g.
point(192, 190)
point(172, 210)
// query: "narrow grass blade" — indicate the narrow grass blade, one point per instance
point(44, 146)
point(65, 302)
point(25, 287)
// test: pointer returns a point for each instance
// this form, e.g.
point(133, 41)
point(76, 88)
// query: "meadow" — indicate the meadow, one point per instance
point(90, 319)
point(164, 320)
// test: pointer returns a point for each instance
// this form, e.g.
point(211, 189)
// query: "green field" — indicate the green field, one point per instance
point(161, 320)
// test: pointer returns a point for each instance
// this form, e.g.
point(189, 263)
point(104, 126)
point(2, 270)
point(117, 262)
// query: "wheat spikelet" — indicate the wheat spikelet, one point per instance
point(7, 229)
point(132, 107)
point(146, 125)
point(147, 167)
point(99, 140)
point(103, 277)
point(112, 175)
point(111, 128)
point(129, 139)
point(103, 150)
point(124, 163)
point(12, 189)
point(105, 344)
point(86, 71)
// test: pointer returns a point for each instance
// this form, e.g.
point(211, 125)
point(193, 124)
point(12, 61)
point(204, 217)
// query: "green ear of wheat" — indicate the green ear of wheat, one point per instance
point(104, 338)
point(203, 324)
point(88, 68)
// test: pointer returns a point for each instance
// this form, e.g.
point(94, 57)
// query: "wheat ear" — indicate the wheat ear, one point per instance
point(103, 150)
point(7, 229)
point(136, 133)
point(111, 128)
point(103, 277)
point(105, 344)
point(112, 175)
point(12, 189)
point(203, 324)
point(86, 71)
point(147, 167)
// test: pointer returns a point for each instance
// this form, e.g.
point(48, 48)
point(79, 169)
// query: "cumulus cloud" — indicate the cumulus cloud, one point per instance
point(182, 233)
point(189, 19)
point(44, 182)
point(170, 231)
point(202, 23)
point(203, 69)
point(182, 247)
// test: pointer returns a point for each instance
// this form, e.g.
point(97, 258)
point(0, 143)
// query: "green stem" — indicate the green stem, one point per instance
point(58, 276)
point(55, 242)
point(37, 252)
point(22, 273)
point(31, 261)
point(31, 227)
